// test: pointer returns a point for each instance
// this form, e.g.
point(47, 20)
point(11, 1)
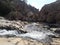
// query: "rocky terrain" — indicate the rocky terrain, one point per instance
point(18, 10)
point(19, 25)
point(16, 14)
point(11, 25)
point(50, 13)
point(20, 41)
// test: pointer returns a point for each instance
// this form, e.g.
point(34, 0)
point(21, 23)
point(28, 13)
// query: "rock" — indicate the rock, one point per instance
point(18, 10)
point(11, 25)
point(19, 25)
point(20, 41)
point(35, 27)
point(57, 30)
point(50, 13)
point(14, 15)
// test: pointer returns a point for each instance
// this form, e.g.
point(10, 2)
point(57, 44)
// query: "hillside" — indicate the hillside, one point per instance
point(50, 13)
point(18, 10)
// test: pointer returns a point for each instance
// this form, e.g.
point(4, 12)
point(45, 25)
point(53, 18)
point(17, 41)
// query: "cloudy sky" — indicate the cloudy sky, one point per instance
point(39, 3)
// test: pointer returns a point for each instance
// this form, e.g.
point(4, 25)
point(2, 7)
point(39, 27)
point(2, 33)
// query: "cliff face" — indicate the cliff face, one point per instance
point(50, 13)
point(17, 10)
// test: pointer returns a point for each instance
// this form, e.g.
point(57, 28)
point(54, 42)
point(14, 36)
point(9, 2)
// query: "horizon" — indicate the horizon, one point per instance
point(39, 3)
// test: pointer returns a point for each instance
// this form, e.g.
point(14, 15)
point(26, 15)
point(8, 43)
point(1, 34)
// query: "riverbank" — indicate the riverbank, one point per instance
point(20, 41)
point(18, 26)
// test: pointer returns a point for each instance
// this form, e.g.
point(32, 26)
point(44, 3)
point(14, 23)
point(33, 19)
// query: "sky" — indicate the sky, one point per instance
point(39, 3)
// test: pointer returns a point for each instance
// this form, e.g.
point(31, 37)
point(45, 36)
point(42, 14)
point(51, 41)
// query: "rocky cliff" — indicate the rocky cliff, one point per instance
point(50, 12)
point(18, 10)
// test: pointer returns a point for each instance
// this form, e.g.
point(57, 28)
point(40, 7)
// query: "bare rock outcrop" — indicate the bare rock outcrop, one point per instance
point(11, 25)
point(50, 12)
point(18, 10)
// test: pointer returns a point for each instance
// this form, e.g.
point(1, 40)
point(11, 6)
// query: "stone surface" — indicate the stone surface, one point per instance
point(20, 41)
point(50, 13)
point(18, 25)
point(11, 25)
point(18, 10)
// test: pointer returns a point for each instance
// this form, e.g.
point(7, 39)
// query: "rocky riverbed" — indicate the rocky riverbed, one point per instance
point(11, 27)
point(21, 41)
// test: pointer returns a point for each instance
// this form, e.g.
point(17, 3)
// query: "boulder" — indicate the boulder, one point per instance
point(11, 25)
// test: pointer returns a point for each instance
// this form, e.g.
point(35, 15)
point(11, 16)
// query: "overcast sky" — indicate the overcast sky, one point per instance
point(39, 3)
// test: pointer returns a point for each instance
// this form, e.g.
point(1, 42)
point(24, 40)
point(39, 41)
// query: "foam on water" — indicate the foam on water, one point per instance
point(9, 32)
point(39, 36)
point(34, 31)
